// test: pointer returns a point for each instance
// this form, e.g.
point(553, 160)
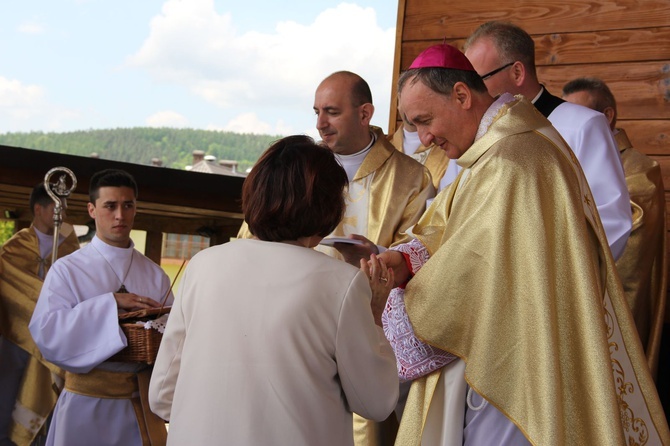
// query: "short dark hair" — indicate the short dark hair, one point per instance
point(511, 41)
point(39, 195)
point(441, 80)
point(110, 178)
point(601, 93)
point(294, 190)
point(360, 90)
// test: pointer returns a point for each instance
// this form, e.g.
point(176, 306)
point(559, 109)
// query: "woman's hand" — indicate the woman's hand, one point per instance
point(381, 283)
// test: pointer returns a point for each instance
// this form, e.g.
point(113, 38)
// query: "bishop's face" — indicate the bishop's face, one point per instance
point(439, 119)
point(114, 213)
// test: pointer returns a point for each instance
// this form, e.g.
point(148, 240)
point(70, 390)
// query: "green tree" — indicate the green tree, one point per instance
point(6, 230)
point(139, 145)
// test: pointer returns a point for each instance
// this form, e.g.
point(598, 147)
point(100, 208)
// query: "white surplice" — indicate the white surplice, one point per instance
point(588, 134)
point(76, 326)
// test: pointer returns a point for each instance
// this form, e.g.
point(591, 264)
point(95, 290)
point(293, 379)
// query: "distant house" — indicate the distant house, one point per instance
point(185, 246)
point(208, 164)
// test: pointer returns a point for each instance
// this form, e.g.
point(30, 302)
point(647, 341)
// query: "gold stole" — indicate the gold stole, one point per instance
point(434, 158)
point(642, 266)
point(20, 287)
point(386, 196)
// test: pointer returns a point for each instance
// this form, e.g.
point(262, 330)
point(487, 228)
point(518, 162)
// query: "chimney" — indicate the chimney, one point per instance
point(156, 162)
point(231, 164)
point(198, 155)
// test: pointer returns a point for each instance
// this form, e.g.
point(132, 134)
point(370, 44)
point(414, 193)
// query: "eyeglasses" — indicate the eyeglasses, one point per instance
point(496, 71)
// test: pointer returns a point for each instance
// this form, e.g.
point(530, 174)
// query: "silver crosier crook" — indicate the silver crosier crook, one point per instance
point(58, 192)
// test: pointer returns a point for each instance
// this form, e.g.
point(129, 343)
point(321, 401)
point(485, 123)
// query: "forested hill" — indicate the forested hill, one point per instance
point(139, 145)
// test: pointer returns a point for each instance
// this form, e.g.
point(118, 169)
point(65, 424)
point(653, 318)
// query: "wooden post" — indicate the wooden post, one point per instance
point(154, 246)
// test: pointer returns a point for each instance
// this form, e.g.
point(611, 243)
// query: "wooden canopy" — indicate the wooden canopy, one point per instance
point(170, 200)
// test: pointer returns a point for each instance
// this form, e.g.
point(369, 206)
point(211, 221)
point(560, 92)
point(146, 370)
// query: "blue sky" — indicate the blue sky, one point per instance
point(246, 66)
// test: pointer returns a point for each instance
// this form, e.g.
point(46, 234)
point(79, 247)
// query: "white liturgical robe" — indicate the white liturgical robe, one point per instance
point(76, 326)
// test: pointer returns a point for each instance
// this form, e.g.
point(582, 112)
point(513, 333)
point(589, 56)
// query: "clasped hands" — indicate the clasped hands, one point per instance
point(356, 254)
point(385, 271)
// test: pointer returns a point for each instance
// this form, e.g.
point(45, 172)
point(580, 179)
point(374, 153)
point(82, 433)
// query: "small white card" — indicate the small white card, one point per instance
point(332, 240)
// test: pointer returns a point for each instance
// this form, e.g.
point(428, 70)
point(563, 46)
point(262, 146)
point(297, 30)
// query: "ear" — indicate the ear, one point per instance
point(91, 210)
point(610, 115)
point(518, 73)
point(366, 112)
point(37, 210)
point(462, 95)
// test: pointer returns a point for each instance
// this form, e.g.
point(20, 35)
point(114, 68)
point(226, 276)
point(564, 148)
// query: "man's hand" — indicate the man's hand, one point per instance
point(381, 284)
point(353, 254)
point(396, 261)
point(133, 302)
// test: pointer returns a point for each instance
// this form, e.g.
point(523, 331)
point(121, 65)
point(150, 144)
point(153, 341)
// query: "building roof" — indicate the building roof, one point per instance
point(209, 165)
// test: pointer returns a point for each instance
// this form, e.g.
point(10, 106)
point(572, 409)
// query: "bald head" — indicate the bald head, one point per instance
point(358, 89)
point(343, 105)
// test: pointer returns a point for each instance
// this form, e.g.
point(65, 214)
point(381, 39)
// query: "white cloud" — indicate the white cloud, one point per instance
point(31, 28)
point(13, 94)
point(167, 118)
point(273, 72)
point(25, 108)
point(251, 123)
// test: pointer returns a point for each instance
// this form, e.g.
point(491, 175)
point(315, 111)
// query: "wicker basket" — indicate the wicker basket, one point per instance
point(142, 343)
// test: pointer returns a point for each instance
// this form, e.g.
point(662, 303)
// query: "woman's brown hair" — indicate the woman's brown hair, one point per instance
point(294, 190)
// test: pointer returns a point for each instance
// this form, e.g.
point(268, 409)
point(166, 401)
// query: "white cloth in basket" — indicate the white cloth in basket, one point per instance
point(157, 324)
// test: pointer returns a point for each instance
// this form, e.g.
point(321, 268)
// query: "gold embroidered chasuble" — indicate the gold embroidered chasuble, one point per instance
point(20, 286)
point(642, 266)
point(521, 286)
point(434, 158)
point(386, 196)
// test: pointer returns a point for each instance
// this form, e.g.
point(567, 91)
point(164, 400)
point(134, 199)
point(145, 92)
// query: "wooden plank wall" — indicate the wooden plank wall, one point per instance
point(626, 43)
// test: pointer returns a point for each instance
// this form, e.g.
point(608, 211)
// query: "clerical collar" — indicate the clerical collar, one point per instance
point(119, 260)
point(538, 95)
point(410, 142)
point(492, 112)
point(351, 163)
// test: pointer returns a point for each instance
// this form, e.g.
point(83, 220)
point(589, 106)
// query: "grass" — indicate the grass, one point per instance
point(171, 267)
